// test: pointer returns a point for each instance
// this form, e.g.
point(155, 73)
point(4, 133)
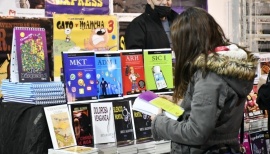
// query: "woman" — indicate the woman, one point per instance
point(213, 78)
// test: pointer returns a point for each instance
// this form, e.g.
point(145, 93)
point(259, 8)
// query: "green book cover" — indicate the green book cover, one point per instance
point(158, 69)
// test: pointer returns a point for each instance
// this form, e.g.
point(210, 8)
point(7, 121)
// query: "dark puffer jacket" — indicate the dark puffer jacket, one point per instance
point(146, 31)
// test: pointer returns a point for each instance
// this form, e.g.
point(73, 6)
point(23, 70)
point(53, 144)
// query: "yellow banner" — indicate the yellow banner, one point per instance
point(81, 33)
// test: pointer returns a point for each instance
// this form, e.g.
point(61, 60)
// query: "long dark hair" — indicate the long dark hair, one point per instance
point(194, 32)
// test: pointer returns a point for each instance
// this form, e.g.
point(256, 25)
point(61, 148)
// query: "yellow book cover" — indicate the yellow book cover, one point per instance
point(82, 32)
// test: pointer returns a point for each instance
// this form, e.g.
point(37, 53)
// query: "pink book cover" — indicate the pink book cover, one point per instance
point(246, 143)
point(132, 72)
point(32, 57)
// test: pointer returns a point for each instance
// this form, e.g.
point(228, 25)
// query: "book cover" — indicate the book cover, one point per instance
point(82, 124)
point(123, 120)
point(98, 7)
point(80, 76)
point(142, 124)
point(31, 55)
point(252, 109)
point(149, 103)
point(132, 72)
point(82, 33)
point(257, 142)
point(103, 122)
point(267, 141)
point(60, 126)
point(264, 64)
point(109, 75)
point(158, 69)
point(246, 143)
point(22, 8)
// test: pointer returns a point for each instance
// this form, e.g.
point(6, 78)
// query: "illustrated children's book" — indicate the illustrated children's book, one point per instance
point(109, 75)
point(123, 119)
point(103, 122)
point(158, 69)
point(132, 72)
point(76, 7)
point(257, 142)
point(149, 103)
point(80, 76)
point(82, 33)
point(29, 58)
point(60, 126)
point(82, 124)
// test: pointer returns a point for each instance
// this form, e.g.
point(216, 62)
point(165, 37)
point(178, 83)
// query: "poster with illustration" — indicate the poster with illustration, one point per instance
point(81, 33)
point(22, 8)
point(97, 7)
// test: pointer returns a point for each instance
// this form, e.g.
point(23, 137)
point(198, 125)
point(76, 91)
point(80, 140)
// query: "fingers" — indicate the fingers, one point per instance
point(168, 97)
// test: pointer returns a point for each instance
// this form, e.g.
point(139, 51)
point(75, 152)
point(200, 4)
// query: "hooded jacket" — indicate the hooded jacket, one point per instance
point(213, 104)
point(146, 31)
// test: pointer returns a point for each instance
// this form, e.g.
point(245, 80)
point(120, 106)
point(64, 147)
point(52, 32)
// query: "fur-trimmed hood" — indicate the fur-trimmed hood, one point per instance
point(234, 64)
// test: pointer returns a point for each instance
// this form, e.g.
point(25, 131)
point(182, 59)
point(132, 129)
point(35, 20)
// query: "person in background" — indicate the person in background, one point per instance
point(214, 77)
point(151, 30)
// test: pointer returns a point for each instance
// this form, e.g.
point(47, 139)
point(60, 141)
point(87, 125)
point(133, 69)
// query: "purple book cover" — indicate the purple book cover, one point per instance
point(96, 7)
point(148, 96)
point(257, 142)
point(32, 57)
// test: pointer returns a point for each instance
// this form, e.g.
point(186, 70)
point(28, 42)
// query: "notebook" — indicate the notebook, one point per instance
point(29, 59)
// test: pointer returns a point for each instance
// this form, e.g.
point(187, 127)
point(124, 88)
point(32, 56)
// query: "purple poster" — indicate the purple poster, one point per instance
point(96, 7)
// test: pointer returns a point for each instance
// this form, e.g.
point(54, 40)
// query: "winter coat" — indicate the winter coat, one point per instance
point(146, 31)
point(213, 105)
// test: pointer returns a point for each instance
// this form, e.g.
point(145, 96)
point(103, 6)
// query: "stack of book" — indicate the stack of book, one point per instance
point(146, 147)
point(33, 92)
point(74, 150)
point(107, 148)
point(163, 146)
point(126, 148)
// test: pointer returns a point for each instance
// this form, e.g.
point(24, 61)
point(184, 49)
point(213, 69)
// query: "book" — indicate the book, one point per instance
point(109, 75)
point(19, 8)
point(158, 69)
point(82, 33)
point(29, 57)
point(80, 76)
point(82, 124)
point(246, 143)
point(257, 142)
point(60, 126)
point(103, 122)
point(132, 72)
point(74, 150)
point(149, 103)
point(141, 124)
point(76, 7)
point(123, 119)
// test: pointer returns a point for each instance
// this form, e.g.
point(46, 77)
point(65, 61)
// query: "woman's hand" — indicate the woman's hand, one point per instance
point(154, 115)
point(168, 97)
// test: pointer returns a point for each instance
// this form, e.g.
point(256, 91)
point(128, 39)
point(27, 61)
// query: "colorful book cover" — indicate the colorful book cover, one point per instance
point(60, 126)
point(80, 76)
point(251, 107)
point(264, 65)
point(22, 8)
point(149, 103)
point(32, 54)
point(246, 143)
point(123, 120)
point(103, 122)
point(82, 33)
point(158, 69)
point(142, 124)
point(76, 7)
point(109, 75)
point(82, 124)
point(122, 31)
point(132, 72)
point(258, 144)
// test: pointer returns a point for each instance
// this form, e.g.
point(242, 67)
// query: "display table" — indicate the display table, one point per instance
point(23, 129)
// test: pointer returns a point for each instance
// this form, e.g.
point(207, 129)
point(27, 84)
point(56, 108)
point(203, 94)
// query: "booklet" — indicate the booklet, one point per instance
point(149, 103)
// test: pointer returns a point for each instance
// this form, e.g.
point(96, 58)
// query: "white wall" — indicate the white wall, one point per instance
point(226, 13)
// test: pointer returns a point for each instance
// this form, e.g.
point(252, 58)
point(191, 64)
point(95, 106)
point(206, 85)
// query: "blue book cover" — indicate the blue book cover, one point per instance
point(80, 76)
point(109, 75)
